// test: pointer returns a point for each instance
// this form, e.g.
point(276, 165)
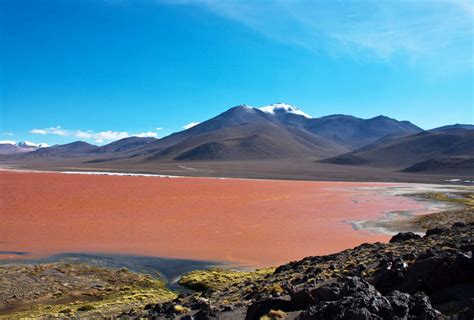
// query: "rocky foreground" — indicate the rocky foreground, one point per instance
point(412, 277)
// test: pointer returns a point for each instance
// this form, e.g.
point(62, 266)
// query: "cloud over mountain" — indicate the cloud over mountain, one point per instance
point(99, 137)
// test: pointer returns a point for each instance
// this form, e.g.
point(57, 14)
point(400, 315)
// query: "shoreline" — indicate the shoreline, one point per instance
point(94, 301)
point(455, 182)
point(123, 293)
point(385, 224)
point(389, 223)
point(393, 222)
point(168, 269)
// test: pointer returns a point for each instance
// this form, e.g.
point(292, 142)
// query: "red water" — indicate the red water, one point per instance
point(256, 222)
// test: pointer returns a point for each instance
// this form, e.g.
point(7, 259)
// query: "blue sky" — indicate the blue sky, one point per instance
point(99, 70)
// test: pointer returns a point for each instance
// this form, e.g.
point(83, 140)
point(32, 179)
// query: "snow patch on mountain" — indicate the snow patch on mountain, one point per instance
point(7, 142)
point(25, 144)
point(283, 108)
point(32, 144)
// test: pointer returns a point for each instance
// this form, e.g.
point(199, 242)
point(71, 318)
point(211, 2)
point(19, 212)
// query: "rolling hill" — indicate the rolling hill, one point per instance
point(10, 147)
point(78, 149)
point(73, 149)
point(438, 145)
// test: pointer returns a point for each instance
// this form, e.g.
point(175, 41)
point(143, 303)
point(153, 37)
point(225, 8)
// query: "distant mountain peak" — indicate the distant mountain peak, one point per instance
point(283, 108)
point(28, 144)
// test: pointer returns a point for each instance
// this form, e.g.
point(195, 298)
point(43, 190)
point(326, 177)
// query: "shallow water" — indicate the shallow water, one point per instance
point(247, 222)
point(169, 269)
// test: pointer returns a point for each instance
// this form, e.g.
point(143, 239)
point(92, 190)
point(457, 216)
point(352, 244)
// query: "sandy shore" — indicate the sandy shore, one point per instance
point(254, 222)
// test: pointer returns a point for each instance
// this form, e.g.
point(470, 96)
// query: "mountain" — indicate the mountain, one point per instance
point(278, 141)
point(240, 133)
point(10, 147)
point(283, 109)
point(79, 149)
point(406, 151)
point(348, 131)
point(355, 132)
point(454, 126)
point(125, 144)
point(73, 149)
point(453, 165)
point(276, 131)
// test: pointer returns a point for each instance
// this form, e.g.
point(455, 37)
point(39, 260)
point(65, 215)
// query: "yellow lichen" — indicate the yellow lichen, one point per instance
point(180, 309)
point(274, 314)
point(201, 280)
point(107, 305)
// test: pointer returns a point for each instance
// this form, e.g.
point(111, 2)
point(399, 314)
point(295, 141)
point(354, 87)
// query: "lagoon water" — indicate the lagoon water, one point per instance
point(240, 221)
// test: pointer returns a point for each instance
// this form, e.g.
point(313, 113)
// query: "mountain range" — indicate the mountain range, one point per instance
point(10, 147)
point(280, 133)
point(433, 148)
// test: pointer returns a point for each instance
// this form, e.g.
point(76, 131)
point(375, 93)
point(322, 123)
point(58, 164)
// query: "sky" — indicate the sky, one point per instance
point(101, 70)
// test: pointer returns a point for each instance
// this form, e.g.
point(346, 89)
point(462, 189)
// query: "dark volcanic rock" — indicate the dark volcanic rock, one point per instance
point(467, 313)
point(399, 302)
point(420, 307)
point(357, 299)
point(428, 273)
point(390, 274)
point(302, 299)
point(404, 236)
point(435, 231)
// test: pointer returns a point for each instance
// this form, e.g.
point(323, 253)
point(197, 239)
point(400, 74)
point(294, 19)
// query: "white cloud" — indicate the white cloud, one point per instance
point(98, 137)
point(52, 130)
point(7, 134)
point(420, 32)
point(158, 129)
point(7, 142)
point(190, 125)
point(39, 131)
point(149, 134)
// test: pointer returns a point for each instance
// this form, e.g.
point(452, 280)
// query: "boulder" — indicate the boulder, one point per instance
point(301, 299)
point(360, 300)
point(390, 274)
point(435, 231)
point(404, 236)
point(420, 308)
